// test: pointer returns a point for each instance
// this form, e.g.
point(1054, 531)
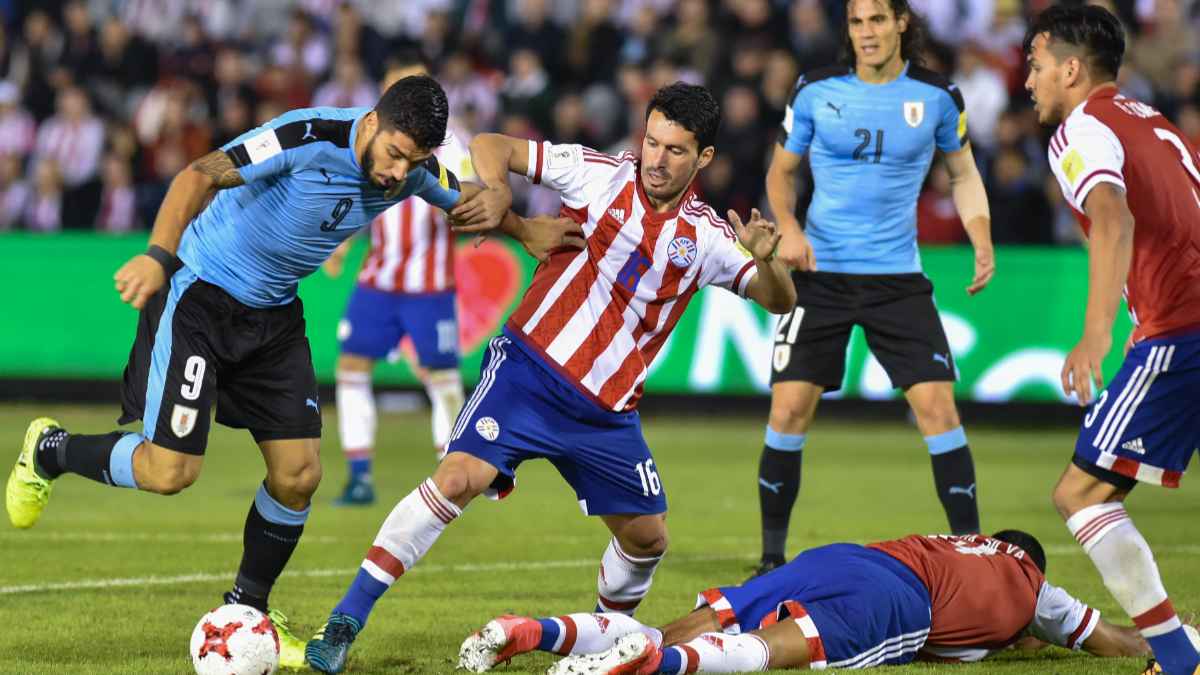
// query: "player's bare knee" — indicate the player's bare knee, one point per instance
point(294, 488)
point(459, 478)
point(170, 478)
point(645, 542)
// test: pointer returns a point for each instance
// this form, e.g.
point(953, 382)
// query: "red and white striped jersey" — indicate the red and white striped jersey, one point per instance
point(412, 246)
point(600, 314)
point(1113, 139)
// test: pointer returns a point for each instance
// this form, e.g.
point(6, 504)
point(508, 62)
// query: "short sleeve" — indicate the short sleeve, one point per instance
point(1061, 619)
point(796, 130)
point(952, 123)
point(1084, 154)
point(259, 153)
point(576, 172)
point(728, 265)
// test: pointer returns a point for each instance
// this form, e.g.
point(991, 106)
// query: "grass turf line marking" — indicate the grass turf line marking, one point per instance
point(85, 584)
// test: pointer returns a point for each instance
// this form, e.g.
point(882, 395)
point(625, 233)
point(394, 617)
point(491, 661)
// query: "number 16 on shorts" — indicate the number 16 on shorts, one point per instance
point(651, 485)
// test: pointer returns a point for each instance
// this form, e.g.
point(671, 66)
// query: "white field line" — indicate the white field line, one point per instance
point(85, 584)
point(156, 537)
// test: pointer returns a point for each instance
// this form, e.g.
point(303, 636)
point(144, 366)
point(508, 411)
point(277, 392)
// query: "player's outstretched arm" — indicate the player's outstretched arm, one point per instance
point(971, 202)
point(144, 274)
point(772, 287)
point(1110, 252)
point(1110, 640)
point(492, 156)
point(794, 248)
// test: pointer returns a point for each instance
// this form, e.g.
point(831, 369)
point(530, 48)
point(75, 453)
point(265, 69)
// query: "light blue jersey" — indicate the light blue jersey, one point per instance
point(870, 148)
point(304, 194)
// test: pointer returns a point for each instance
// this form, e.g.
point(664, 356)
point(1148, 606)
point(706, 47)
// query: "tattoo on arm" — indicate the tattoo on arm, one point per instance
point(217, 166)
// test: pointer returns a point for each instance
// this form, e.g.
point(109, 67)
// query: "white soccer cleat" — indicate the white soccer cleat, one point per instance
point(631, 655)
point(501, 639)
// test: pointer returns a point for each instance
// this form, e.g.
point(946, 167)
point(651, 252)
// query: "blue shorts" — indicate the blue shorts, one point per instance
point(858, 607)
point(522, 409)
point(1145, 425)
point(375, 321)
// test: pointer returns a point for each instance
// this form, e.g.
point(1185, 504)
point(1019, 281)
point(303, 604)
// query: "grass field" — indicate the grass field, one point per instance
point(112, 582)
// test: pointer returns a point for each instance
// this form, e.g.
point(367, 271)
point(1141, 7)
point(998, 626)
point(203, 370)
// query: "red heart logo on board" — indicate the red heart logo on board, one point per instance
point(487, 278)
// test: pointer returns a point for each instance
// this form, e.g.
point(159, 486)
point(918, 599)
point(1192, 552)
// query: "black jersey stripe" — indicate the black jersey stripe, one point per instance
point(298, 133)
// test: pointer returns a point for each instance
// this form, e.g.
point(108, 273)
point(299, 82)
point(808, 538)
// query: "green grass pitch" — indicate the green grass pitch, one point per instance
point(112, 582)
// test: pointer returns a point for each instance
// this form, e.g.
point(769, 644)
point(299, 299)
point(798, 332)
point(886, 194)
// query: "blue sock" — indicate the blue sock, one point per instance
point(361, 596)
point(360, 468)
point(549, 634)
point(672, 660)
point(1175, 652)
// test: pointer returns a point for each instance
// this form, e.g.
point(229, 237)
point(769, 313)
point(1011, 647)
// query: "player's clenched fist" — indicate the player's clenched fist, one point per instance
point(139, 279)
point(796, 251)
point(759, 236)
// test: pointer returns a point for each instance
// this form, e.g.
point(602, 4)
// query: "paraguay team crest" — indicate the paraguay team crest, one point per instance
point(914, 113)
point(681, 251)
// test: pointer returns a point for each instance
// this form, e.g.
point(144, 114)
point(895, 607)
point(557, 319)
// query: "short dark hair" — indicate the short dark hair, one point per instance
point(1091, 28)
point(409, 57)
point(912, 41)
point(416, 106)
point(1027, 542)
point(690, 106)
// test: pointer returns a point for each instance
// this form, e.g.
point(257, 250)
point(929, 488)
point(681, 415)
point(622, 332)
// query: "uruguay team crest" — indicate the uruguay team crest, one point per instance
point(681, 251)
point(914, 113)
point(183, 420)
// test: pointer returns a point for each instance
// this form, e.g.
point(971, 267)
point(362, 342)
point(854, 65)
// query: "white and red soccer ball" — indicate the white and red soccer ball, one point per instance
point(235, 640)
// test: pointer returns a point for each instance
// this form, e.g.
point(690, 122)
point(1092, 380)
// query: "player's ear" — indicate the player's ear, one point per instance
point(902, 23)
point(706, 156)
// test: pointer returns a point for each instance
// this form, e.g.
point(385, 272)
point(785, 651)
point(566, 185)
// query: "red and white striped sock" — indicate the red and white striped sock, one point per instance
point(1126, 564)
point(592, 633)
point(721, 653)
point(623, 580)
point(409, 532)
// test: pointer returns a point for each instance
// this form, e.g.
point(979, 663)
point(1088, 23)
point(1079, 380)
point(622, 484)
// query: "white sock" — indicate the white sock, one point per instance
point(721, 653)
point(1126, 564)
point(356, 414)
point(592, 633)
point(445, 391)
point(409, 532)
point(623, 580)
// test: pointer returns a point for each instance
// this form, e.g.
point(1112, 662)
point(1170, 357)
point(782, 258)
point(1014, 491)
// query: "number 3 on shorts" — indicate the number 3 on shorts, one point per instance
point(651, 485)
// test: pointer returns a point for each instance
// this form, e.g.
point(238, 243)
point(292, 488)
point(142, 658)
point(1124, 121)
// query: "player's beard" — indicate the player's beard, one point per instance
point(368, 168)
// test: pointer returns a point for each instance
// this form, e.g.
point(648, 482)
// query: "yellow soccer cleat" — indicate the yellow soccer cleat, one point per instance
point(27, 492)
point(291, 648)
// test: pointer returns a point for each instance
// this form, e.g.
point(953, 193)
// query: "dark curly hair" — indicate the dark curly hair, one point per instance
point(690, 106)
point(417, 107)
point(912, 41)
point(1090, 28)
point(1028, 543)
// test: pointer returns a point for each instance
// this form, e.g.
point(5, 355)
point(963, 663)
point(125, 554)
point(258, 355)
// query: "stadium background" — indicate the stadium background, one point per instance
point(103, 101)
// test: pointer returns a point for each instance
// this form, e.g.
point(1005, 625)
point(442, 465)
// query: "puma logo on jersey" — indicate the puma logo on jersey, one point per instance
point(968, 491)
point(617, 214)
point(308, 132)
point(326, 175)
point(836, 109)
point(310, 402)
point(943, 359)
point(1135, 445)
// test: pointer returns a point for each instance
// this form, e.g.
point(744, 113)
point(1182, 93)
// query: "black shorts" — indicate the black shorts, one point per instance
point(197, 345)
point(896, 312)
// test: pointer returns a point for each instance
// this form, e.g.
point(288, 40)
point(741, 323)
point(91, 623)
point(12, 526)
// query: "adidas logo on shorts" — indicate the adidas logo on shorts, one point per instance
point(1134, 446)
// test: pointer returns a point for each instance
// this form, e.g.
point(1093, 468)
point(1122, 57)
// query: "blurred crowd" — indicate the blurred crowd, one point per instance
point(103, 101)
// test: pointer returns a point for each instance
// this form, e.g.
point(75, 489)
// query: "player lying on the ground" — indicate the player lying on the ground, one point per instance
point(941, 598)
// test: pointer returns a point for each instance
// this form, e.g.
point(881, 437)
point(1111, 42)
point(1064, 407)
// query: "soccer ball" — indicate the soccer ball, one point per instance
point(235, 640)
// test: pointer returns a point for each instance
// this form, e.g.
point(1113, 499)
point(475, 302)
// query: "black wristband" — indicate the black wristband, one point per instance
point(169, 263)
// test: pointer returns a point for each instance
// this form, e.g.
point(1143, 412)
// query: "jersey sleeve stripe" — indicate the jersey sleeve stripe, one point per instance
point(1084, 624)
point(1093, 177)
point(737, 280)
point(537, 170)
